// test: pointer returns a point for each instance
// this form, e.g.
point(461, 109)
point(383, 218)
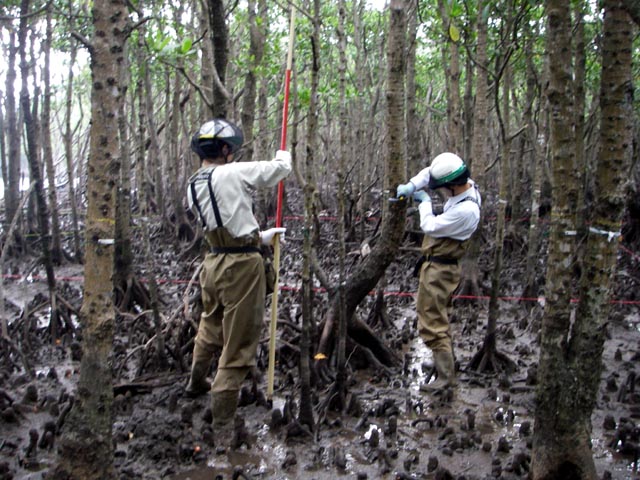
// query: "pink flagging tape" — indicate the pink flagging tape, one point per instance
point(41, 278)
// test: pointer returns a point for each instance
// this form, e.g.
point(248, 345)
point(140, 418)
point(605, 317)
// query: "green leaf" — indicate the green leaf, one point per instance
point(160, 44)
point(486, 12)
point(187, 43)
point(454, 33)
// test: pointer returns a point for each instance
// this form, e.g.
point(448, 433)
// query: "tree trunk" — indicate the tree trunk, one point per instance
point(123, 252)
point(582, 163)
point(489, 359)
point(414, 154)
point(536, 136)
point(612, 173)
point(219, 39)
point(177, 153)
point(261, 145)
point(47, 151)
point(451, 62)
point(566, 393)
point(257, 37)
point(368, 272)
point(4, 170)
point(339, 392)
point(154, 154)
point(86, 448)
point(633, 9)
point(12, 182)
point(176, 215)
point(35, 169)
point(469, 283)
point(305, 415)
point(67, 138)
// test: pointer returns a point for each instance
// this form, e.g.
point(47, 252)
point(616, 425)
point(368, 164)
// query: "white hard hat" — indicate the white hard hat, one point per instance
point(447, 169)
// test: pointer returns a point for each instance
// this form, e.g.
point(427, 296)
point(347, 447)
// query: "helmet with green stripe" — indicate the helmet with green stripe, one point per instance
point(447, 169)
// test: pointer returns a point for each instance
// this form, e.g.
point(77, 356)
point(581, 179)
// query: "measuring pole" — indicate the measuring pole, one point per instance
point(276, 244)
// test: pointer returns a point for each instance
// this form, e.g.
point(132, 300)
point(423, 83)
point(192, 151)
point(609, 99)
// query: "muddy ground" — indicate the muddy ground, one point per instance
point(392, 429)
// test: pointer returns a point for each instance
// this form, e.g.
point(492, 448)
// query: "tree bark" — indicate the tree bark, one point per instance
point(414, 154)
point(633, 9)
point(35, 169)
point(582, 163)
point(537, 136)
point(219, 39)
point(256, 51)
point(3, 151)
point(12, 183)
point(86, 448)
point(571, 355)
point(340, 389)
point(47, 150)
point(368, 272)
point(476, 162)
point(451, 62)
point(67, 138)
point(123, 252)
point(571, 349)
point(488, 358)
point(305, 415)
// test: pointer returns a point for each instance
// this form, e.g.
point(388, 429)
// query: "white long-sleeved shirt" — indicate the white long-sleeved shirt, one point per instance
point(459, 218)
point(232, 185)
point(421, 180)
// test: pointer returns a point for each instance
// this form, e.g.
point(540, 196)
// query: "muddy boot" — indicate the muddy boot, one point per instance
point(223, 407)
point(445, 367)
point(198, 384)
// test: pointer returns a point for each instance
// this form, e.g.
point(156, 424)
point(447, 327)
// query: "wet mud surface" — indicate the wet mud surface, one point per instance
point(390, 429)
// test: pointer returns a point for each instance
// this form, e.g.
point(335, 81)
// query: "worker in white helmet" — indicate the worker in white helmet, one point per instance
point(445, 241)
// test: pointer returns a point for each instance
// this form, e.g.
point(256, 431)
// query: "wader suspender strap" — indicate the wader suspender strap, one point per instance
point(214, 204)
point(435, 258)
point(194, 198)
point(471, 199)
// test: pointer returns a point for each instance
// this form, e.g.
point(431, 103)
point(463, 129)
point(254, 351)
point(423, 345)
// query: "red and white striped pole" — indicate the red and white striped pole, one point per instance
point(276, 245)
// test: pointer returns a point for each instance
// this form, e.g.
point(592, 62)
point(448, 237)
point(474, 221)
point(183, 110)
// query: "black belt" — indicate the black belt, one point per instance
point(246, 249)
point(434, 259)
point(442, 260)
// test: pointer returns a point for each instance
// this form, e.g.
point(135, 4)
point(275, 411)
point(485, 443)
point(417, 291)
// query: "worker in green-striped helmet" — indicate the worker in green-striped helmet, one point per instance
point(445, 241)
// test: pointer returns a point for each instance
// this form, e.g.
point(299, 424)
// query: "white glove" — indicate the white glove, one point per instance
point(283, 155)
point(405, 190)
point(266, 237)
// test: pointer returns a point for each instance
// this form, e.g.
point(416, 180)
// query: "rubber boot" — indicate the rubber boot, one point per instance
point(198, 384)
point(445, 367)
point(223, 407)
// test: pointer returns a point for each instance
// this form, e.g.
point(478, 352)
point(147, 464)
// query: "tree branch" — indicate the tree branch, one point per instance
point(9, 18)
point(633, 9)
point(83, 40)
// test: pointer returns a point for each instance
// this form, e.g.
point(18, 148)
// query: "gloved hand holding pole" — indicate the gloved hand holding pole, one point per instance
point(267, 237)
